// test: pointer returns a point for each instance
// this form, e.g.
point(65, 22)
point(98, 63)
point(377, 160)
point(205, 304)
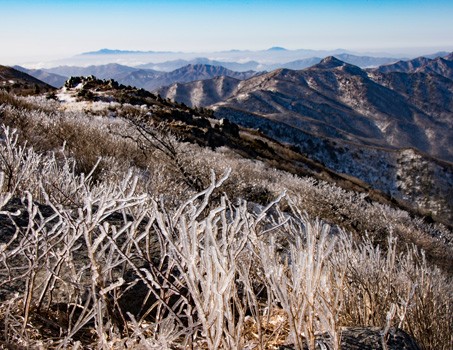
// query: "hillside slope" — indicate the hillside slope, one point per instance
point(339, 101)
point(52, 79)
point(18, 82)
point(193, 73)
point(201, 92)
point(365, 124)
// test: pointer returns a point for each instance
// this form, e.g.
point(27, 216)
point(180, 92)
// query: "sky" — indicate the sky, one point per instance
point(49, 29)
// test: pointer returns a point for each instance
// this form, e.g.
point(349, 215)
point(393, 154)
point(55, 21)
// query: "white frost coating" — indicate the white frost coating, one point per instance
point(430, 134)
point(382, 125)
point(242, 97)
point(66, 96)
point(196, 95)
point(311, 83)
point(69, 102)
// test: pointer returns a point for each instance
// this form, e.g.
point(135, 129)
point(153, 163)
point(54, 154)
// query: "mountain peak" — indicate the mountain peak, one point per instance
point(277, 48)
point(330, 62)
point(449, 57)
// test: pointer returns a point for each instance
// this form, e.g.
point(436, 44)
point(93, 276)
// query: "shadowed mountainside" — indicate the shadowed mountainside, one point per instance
point(20, 83)
point(52, 79)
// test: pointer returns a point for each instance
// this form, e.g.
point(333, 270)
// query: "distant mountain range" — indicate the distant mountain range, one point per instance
point(151, 80)
point(168, 66)
point(275, 51)
point(107, 71)
point(155, 75)
point(143, 78)
point(258, 60)
point(361, 61)
point(117, 52)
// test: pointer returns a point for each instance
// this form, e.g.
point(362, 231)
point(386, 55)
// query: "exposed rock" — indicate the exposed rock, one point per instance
point(228, 127)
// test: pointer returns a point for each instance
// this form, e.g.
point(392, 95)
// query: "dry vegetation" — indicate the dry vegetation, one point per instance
point(105, 242)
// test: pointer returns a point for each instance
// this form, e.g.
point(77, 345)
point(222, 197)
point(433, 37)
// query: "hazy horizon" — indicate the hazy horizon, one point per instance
point(39, 31)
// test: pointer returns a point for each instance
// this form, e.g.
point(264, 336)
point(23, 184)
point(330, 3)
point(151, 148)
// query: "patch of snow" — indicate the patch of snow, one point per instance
point(311, 83)
point(93, 107)
point(66, 96)
point(242, 97)
point(382, 125)
point(69, 102)
point(430, 134)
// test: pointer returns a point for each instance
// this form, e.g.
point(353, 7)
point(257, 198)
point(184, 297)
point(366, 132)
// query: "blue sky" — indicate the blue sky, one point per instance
point(44, 29)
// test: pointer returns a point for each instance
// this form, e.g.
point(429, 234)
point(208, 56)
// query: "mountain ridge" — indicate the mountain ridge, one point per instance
point(439, 65)
point(370, 120)
point(147, 78)
point(359, 92)
point(52, 79)
point(18, 82)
